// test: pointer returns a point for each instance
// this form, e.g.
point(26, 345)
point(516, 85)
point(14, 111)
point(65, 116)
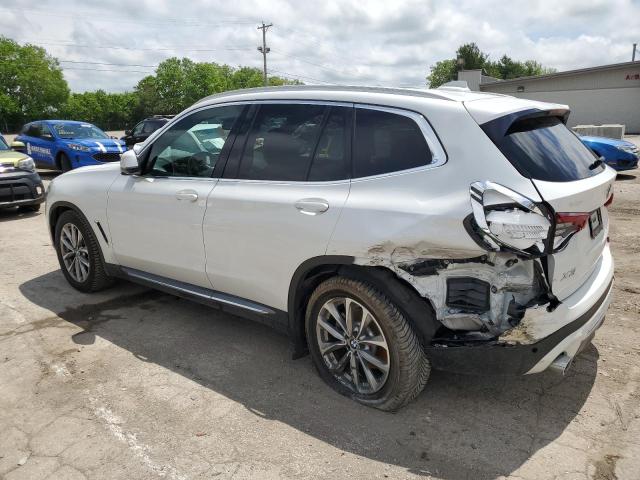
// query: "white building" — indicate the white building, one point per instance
point(597, 95)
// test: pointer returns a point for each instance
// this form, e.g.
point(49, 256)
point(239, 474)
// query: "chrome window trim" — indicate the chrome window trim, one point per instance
point(439, 156)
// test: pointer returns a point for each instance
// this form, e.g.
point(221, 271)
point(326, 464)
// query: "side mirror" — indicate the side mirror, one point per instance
point(127, 133)
point(129, 163)
point(18, 146)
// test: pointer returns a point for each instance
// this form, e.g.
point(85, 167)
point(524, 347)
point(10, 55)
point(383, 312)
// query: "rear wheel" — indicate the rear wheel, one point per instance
point(65, 163)
point(79, 254)
point(363, 346)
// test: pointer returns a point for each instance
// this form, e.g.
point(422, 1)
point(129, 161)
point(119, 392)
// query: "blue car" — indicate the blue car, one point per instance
point(64, 145)
point(618, 154)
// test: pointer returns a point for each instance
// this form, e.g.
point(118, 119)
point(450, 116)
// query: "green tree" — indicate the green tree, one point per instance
point(442, 72)
point(470, 57)
point(31, 84)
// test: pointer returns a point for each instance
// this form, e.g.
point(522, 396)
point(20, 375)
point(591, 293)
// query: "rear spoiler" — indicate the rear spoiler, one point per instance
point(498, 127)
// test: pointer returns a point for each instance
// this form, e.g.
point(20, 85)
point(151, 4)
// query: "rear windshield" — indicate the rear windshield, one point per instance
point(544, 148)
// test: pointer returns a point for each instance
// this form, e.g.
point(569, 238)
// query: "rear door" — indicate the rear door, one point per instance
point(574, 182)
point(280, 197)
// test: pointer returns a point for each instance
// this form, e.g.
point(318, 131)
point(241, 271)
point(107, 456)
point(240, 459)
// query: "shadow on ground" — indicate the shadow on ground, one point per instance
point(459, 427)
point(625, 176)
point(11, 214)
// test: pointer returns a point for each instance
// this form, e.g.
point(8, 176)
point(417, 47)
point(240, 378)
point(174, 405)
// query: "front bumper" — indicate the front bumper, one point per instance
point(20, 188)
point(563, 332)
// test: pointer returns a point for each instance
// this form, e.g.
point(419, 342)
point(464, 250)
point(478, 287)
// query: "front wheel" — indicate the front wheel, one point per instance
point(363, 346)
point(79, 253)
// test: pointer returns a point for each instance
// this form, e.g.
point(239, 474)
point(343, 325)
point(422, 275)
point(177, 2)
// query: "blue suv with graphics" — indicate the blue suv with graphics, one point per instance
point(64, 144)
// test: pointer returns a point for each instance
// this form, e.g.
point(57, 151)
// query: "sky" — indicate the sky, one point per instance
point(112, 44)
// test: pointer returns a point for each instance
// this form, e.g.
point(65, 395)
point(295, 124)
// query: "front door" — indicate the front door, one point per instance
point(284, 187)
point(155, 219)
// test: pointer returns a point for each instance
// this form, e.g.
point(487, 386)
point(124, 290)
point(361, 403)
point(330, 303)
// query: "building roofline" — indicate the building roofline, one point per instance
point(600, 68)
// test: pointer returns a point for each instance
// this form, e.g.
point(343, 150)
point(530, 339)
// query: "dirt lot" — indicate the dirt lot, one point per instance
point(135, 384)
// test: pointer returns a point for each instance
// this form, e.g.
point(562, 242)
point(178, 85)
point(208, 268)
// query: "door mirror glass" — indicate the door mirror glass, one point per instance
point(129, 163)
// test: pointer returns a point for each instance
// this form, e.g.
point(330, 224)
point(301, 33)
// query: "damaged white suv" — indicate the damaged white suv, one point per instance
point(386, 231)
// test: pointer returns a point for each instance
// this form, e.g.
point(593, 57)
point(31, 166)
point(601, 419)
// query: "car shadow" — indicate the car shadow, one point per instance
point(625, 176)
point(14, 213)
point(460, 427)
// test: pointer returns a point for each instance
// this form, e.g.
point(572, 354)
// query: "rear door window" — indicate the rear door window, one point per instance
point(387, 142)
point(543, 148)
point(281, 142)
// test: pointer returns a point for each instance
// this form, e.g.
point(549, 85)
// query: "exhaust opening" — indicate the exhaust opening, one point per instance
point(561, 364)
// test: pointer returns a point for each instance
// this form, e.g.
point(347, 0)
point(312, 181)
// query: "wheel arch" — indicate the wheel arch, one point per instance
point(417, 309)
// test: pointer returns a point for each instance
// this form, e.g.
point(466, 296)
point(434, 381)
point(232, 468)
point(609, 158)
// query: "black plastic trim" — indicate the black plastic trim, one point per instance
point(104, 235)
point(492, 358)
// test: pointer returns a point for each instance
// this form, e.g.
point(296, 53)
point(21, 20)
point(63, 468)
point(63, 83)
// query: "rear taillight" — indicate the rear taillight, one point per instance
point(609, 201)
point(506, 219)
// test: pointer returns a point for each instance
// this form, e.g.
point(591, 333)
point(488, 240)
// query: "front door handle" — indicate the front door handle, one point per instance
point(312, 206)
point(190, 195)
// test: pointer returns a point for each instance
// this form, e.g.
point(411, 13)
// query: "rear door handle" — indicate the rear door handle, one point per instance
point(190, 195)
point(312, 206)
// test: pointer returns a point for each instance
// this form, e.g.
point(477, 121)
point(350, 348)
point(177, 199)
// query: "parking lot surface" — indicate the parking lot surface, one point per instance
point(135, 384)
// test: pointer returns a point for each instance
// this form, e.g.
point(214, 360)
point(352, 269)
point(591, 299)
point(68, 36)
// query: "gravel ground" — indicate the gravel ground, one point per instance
point(136, 384)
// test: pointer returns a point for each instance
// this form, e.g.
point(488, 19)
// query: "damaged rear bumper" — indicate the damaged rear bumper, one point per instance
point(564, 331)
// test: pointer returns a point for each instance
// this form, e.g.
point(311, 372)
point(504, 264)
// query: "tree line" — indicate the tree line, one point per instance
point(470, 57)
point(32, 87)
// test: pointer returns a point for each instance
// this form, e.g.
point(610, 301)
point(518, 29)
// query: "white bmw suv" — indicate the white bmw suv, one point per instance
point(385, 231)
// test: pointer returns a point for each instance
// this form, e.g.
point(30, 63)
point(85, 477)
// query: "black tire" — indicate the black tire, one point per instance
point(65, 163)
point(409, 367)
point(30, 208)
point(97, 278)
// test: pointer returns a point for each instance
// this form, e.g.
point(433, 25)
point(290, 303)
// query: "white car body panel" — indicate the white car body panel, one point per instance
point(155, 231)
point(255, 237)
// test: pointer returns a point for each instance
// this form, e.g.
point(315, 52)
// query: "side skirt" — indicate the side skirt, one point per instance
point(241, 307)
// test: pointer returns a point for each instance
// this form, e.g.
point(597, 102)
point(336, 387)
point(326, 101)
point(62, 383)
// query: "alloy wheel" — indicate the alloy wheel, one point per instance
point(353, 345)
point(75, 254)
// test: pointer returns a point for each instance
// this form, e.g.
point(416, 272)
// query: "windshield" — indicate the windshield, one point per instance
point(3, 144)
point(78, 130)
point(543, 148)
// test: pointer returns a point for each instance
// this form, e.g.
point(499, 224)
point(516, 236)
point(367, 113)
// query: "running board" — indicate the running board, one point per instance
point(193, 292)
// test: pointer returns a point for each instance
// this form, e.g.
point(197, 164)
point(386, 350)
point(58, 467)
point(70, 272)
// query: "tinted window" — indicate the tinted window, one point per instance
point(33, 130)
point(387, 142)
point(330, 161)
point(545, 149)
point(192, 147)
point(3, 144)
point(281, 142)
point(151, 126)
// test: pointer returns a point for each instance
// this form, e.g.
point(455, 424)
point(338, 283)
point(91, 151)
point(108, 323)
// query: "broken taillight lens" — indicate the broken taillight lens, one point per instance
point(508, 219)
point(567, 225)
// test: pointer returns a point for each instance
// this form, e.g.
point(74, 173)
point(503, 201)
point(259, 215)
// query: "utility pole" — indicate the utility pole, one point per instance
point(633, 57)
point(264, 50)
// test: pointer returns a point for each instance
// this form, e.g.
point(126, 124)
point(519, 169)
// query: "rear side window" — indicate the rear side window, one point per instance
point(387, 142)
point(543, 148)
point(281, 142)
